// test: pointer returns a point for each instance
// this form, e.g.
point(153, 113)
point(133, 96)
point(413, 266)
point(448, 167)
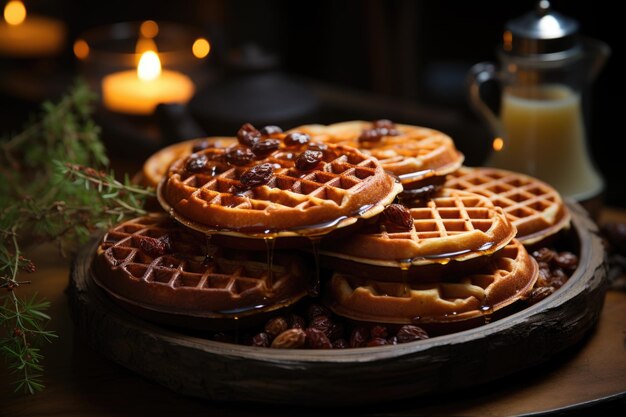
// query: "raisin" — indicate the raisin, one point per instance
point(155, 247)
point(385, 127)
point(544, 255)
point(322, 323)
point(276, 326)
point(396, 218)
point(566, 260)
point(370, 135)
point(295, 139)
point(270, 130)
point(196, 163)
point(239, 156)
point(315, 310)
point(538, 294)
point(308, 160)
point(248, 135)
point(378, 331)
point(261, 340)
point(558, 278)
point(265, 147)
point(377, 341)
point(359, 336)
point(296, 322)
point(290, 339)
point(257, 175)
point(317, 339)
point(409, 333)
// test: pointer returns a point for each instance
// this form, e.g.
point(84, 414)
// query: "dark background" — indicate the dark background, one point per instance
point(400, 59)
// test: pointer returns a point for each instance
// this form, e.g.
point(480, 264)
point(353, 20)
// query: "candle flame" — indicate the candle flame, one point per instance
point(201, 48)
point(498, 144)
point(149, 66)
point(14, 12)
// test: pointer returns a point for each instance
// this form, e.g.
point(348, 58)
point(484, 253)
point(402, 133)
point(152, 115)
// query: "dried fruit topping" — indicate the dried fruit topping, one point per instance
point(315, 310)
point(261, 340)
point(296, 139)
point(410, 333)
point(396, 218)
point(270, 130)
point(316, 339)
point(380, 128)
point(196, 163)
point(539, 293)
point(544, 255)
point(265, 147)
point(385, 127)
point(290, 339)
point(257, 175)
point(378, 331)
point(370, 135)
point(308, 160)
point(156, 247)
point(296, 322)
point(359, 336)
point(377, 341)
point(239, 156)
point(566, 260)
point(200, 146)
point(276, 326)
point(247, 135)
point(322, 323)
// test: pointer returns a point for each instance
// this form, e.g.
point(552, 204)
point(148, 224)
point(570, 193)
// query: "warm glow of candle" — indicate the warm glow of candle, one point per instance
point(25, 35)
point(149, 66)
point(201, 48)
point(140, 91)
point(14, 12)
point(149, 29)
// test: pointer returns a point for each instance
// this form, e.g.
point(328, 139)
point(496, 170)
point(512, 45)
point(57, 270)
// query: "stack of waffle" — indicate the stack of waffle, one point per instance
point(379, 221)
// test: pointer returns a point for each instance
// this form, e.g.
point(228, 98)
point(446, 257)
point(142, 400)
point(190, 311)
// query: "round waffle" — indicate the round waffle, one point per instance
point(452, 226)
point(534, 207)
point(508, 276)
point(161, 269)
point(413, 153)
point(155, 167)
point(281, 193)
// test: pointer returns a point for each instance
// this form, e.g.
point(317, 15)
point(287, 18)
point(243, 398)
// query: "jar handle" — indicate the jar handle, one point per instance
point(480, 74)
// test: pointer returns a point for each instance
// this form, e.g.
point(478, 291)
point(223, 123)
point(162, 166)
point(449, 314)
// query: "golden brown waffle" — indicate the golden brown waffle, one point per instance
point(534, 207)
point(413, 153)
point(154, 264)
point(343, 186)
point(155, 167)
point(508, 276)
point(453, 225)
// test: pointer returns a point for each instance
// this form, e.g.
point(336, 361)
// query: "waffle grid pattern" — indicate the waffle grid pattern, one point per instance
point(225, 279)
point(507, 278)
point(531, 205)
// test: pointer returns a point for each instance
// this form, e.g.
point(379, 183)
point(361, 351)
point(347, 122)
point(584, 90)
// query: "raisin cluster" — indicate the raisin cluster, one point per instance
point(555, 268)
point(316, 327)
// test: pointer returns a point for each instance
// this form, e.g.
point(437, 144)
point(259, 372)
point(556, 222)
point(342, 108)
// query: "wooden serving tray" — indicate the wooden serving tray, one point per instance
point(227, 372)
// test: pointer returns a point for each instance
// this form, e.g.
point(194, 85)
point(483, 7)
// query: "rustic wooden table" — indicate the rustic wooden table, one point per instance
point(81, 382)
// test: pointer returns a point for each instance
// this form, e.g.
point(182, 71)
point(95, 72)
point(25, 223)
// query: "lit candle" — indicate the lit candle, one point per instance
point(139, 92)
point(23, 35)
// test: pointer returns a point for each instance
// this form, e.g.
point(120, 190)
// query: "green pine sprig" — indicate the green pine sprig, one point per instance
point(53, 187)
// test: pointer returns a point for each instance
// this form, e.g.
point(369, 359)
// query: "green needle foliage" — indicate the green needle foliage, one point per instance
point(54, 186)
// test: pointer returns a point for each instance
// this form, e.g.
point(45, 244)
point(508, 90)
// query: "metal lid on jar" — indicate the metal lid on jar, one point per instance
point(542, 33)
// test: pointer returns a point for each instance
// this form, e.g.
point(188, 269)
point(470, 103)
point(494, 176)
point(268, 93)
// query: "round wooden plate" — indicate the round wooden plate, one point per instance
point(221, 371)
